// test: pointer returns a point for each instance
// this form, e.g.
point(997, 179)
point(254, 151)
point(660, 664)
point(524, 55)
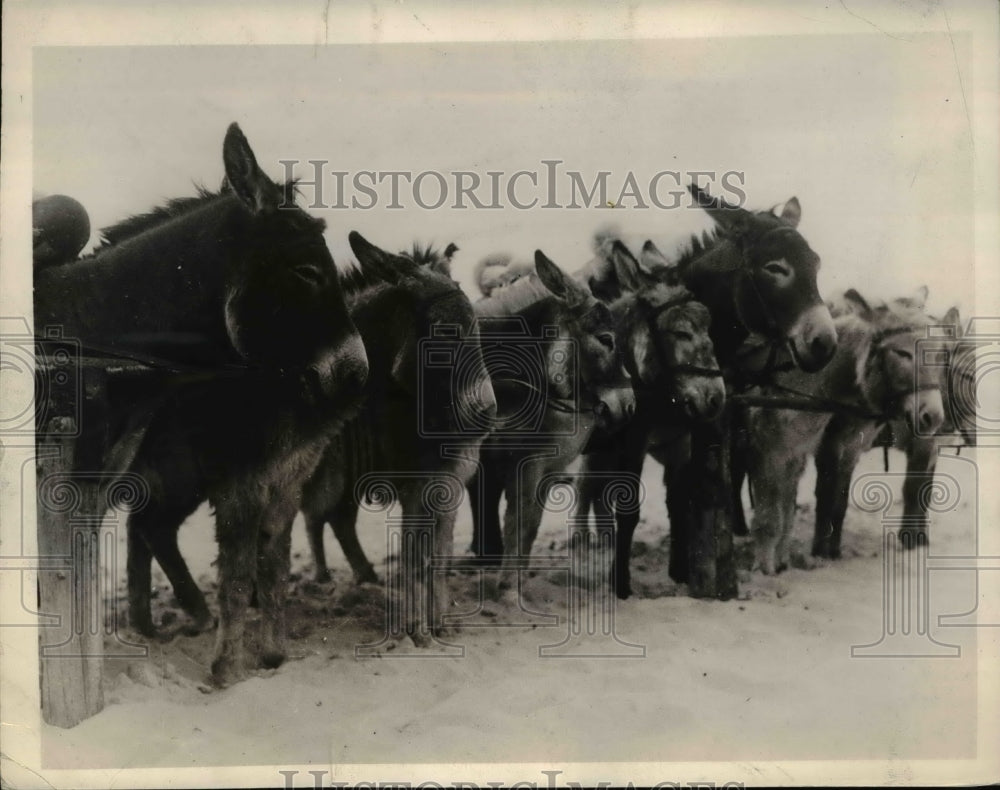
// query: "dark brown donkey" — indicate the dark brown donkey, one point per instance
point(664, 336)
point(428, 405)
point(869, 381)
point(242, 283)
point(756, 274)
point(557, 370)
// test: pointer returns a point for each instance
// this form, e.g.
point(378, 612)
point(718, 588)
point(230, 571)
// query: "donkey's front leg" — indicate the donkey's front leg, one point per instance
point(921, 459)
point(525, 508)
point(273, 560)
point(237, 523)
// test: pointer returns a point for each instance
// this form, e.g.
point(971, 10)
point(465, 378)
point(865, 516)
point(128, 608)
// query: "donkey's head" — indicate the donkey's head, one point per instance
point(960, 403)
point(664, 332)
point(894, 381)
point(284, 306)
point(598, 364)
point(439, 361)
point(774, 292)
point(562, 344)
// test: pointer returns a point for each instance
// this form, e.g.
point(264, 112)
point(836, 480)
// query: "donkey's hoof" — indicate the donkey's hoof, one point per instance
point(272, 659)
point(367, 576)
point(322, 577)
point(199, 626)
point(911, 538)
point(622, 587)
point(227, 670)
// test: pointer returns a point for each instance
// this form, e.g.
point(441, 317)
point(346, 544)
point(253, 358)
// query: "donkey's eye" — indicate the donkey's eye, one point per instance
point(682, 334)
point(309, 272)
point(774, 267)
point(606, 339)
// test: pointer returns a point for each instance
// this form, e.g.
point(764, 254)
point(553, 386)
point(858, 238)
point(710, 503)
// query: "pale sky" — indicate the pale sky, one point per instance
point(870, 132)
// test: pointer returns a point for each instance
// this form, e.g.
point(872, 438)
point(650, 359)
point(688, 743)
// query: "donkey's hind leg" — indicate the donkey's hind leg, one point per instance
point(344, 520)
point(485, 489)
point(314, 531)
point(152, 533)
point(140, 580)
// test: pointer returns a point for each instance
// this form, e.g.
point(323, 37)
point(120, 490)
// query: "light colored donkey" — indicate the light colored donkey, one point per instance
point(869, 381)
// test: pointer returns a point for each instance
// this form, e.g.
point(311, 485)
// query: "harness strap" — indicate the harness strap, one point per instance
point(562, 405)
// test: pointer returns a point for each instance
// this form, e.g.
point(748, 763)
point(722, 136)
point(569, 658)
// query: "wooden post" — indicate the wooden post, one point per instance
point(70, 509)
point(711, 556)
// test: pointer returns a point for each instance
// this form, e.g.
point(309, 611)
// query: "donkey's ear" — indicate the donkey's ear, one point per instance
point(919, 298)
point(858, 304)
point(625, 265)
point(655, 264)
point(377, 261)
point(734, 219)
point(555, 279)
point(366, 252)
point(952, 318)
point(792, 212)
point(254, 189)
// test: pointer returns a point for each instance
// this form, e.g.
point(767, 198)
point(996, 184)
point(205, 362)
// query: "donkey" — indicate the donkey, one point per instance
point(557, 370)
point(428, 405)
point(378, 295)
point(756, 274)
point(869, 381)
point(243, 282)
point(668, 353)
point(844, 440)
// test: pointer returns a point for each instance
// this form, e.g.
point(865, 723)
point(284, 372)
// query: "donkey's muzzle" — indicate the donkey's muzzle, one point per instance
point(813, 339)
point(704, 403)
point(924, 411)
point(615, 407)
point(341, 374)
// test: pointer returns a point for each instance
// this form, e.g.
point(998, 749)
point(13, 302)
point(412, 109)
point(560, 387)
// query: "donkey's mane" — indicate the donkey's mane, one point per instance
point(698, 245)
point(388, 272)
point(426, 255)
point(513, 298)
point(140, 223)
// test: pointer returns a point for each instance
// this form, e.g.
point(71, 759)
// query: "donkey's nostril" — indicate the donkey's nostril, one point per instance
point(822, 348)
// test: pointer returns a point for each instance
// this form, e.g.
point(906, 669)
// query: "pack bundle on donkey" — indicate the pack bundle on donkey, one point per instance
point(938, 361)
point(556, 367)
point(428, 405)
point(756, 274)
point(664, 334)
point(870, 381)
point(240, 281)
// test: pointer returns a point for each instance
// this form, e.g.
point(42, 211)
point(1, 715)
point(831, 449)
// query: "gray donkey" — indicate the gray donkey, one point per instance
point(847, 437)
point(428, 404)
point(556, 367)
point(869, 381)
